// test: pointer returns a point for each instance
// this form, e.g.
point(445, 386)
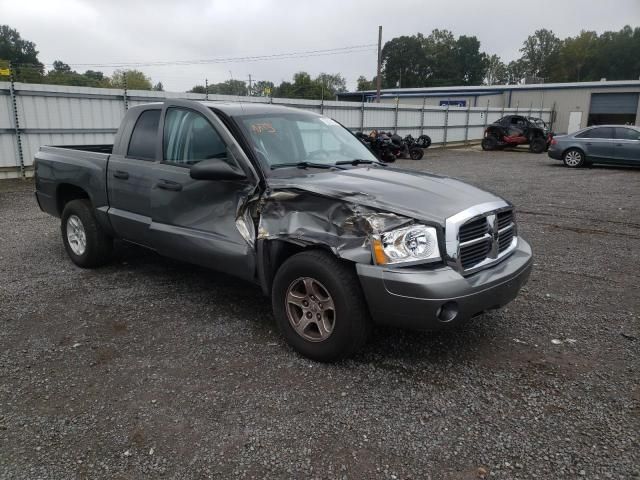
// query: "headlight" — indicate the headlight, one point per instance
point(417, 243)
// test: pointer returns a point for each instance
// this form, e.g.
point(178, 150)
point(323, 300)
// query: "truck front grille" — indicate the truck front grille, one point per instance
point(485, 239)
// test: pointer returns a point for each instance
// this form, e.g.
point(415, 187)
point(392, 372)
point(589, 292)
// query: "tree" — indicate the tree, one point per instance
point(197, 89)
point(516, 71)
point(495, 71)
point(470, 62)
point(364, 84)
point(158, 87)
point(404, 62)
point(229, 87)
point(22, 55)
point(332, 83)
point(262, 88)
point(540, 54)
point(135, 80)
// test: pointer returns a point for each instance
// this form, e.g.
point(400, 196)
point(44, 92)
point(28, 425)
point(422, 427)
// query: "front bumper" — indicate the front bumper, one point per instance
point(434, 299)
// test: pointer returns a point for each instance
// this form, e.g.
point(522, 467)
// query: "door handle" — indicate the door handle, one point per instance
point(169, 185)
point(589, 143)
point(619, 144)
point(121, 174)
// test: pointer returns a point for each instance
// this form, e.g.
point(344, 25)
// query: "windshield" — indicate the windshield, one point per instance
point(289, 138)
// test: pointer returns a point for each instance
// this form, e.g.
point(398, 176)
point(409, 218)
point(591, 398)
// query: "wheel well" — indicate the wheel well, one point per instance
point(574, 148)
point(67, 192)
point(275, 253)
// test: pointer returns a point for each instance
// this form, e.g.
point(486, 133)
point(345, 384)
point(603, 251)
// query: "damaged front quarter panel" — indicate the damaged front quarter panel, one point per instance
point(306, 218)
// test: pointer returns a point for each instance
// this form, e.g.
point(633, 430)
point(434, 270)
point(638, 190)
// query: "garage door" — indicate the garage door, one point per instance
point(616, 108)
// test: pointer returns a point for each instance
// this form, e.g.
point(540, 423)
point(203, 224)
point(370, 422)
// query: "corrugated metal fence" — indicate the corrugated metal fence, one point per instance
point(32, 115)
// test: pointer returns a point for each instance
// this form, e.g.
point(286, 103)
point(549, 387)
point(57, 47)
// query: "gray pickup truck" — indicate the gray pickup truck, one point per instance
point(294, 202)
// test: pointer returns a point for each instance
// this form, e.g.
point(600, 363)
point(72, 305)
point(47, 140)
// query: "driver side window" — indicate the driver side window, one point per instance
point(189, 138)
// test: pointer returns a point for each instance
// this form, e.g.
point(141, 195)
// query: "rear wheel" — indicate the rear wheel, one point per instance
point(319, 306)
point(416, 153)
point(84, 240)
point(537, 145)
point(490, 142)
point(574, 158)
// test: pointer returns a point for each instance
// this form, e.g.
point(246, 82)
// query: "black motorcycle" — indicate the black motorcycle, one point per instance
point(388, 146)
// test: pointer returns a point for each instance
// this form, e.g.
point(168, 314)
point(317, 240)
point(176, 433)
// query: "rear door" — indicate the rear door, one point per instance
point(597, 143)
point(199, 221)
point(627, 145)
point(129, 175)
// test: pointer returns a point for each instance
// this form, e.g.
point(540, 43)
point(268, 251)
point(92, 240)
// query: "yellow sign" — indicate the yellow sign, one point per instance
point(5, 71)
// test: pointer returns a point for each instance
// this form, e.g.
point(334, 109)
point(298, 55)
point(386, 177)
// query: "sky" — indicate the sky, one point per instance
point(81, 32)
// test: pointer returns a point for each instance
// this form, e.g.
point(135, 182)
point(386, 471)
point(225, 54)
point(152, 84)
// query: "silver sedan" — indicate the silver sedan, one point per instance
point(614, 144)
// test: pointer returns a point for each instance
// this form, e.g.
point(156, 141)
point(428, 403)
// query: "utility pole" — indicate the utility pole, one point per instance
point(206, 89)
point(250, 85)
point(378, 79)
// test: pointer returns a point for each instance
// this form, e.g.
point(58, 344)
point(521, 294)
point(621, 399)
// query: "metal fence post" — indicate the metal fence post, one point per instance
point(16, 122)
point(206, 89)
point(424, 101)
point(126, 100)
point(530, 108)
point(466, 126)
point(322, 106)
point(486, 116)
point(446, 125)
point(395, 122)
point(362, 115)
point(517, 107)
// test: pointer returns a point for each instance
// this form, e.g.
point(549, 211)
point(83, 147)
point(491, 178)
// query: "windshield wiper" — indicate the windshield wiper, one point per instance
point(305, 165)
point(360, 161)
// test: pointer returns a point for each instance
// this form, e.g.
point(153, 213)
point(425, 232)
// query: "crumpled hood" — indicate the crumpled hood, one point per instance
point(417, 195)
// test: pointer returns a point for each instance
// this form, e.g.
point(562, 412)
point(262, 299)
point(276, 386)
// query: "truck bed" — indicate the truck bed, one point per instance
point(67, 167)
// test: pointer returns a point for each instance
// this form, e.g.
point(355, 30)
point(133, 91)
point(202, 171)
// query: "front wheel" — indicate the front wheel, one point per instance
point(319, 306)
point(490, 142)
point(84, 240)
point(573, 158)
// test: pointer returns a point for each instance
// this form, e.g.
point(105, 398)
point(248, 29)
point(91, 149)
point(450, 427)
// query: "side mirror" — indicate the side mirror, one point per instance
point(215, 169)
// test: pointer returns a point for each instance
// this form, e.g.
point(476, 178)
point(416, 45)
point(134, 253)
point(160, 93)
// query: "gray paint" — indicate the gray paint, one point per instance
point(599, 150)
point(233, 226)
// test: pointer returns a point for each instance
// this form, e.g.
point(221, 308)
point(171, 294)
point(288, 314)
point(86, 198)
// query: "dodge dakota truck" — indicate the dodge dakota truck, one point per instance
point(295, 203)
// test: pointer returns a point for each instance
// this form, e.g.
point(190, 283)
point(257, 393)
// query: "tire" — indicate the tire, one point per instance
point(319, 272)
point(86, 243)
point(537, 145)
point(574, 158)
point(424, 141)
point(490, 142)
point(416, 153)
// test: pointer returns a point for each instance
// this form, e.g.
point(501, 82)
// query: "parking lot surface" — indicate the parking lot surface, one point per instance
point(157, 368)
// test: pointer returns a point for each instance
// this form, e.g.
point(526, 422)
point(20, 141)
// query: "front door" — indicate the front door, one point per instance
point(627, 145)
point(196, 220)
point(129, 180)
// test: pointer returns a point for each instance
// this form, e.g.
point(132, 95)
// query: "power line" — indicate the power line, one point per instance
point(254, 58)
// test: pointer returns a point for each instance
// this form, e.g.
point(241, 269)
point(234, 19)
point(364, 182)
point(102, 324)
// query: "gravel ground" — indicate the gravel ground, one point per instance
point(157, 368)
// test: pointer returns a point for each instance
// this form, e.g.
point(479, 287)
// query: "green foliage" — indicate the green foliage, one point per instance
point(541, 54)
point(364, 84)
point(22, 54)
point(135, 80)
point(63, 75)
point(262, 88)
point(495, 71)
point(325, 86)
point(438, 59)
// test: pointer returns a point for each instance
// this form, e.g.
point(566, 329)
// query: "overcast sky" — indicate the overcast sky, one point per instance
point(94, 31)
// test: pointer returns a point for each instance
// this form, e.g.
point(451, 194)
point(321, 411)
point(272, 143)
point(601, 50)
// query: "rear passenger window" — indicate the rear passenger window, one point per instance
point(600, 132)
point(143, 138)
point(627, 133)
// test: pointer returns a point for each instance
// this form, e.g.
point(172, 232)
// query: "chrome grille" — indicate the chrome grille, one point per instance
point(481, 238)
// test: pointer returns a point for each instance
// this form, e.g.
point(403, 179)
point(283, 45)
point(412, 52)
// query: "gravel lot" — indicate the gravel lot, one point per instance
point(157, 368)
